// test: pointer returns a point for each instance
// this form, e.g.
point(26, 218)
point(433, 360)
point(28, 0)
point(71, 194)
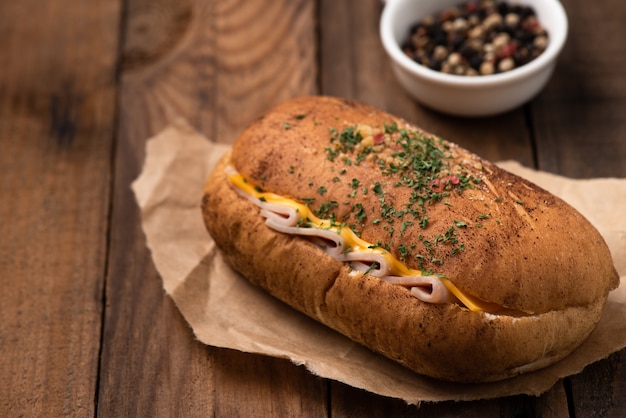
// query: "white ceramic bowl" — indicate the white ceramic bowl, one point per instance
point(470, 95)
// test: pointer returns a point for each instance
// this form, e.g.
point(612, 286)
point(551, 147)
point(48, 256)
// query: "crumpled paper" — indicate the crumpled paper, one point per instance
point(224, 310)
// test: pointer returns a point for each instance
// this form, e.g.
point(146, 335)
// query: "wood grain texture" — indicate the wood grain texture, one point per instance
point(284, 390)
point(581, 116)
point(609, 375)
point(150, 363)
point(219, 67)
point(57, 108)
point(349, 402)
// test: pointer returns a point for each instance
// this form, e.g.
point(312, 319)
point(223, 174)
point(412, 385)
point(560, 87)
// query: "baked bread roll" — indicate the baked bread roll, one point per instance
point(407, 243)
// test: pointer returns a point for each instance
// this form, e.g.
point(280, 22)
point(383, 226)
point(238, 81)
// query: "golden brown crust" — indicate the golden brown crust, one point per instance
point(436, 340)
point(523, 247)
point(533, 252)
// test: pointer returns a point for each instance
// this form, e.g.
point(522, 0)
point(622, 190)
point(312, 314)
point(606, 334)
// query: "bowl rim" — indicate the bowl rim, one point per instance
point(557, 41)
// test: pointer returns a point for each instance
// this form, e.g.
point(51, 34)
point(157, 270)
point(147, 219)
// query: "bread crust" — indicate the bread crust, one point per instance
point(542, 257)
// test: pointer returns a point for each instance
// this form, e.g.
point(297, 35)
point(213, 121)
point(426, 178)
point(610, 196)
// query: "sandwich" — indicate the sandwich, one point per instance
point(407, 243)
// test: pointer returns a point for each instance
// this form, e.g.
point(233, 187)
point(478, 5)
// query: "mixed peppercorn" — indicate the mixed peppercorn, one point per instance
point(477, 38)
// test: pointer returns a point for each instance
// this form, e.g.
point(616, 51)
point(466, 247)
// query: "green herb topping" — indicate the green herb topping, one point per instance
point(423, 164)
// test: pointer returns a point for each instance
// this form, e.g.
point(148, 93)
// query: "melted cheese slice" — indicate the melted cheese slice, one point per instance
point(355, 244)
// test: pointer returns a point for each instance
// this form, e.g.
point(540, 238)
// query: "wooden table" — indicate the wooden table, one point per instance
point(85, 327)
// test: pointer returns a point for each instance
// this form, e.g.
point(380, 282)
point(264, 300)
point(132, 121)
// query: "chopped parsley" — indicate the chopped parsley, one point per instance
point(422, 164)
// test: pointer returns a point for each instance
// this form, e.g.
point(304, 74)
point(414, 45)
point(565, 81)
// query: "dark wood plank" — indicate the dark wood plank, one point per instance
point(581, 117)
point(599, 390)
point(252, 385)
point(219, 66)
point(150, 363)
point(57, 111)
point(349, 402)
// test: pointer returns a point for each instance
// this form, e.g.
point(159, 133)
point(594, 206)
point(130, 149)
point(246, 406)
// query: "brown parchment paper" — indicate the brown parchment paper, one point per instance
point(225, 311)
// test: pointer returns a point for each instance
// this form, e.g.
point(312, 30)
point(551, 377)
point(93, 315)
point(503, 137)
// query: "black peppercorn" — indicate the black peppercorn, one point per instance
point(475, 62)
point(440, 38)
point(434, 64)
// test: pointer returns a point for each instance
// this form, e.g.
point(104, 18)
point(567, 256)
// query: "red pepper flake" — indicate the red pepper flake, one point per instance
point(444, 181)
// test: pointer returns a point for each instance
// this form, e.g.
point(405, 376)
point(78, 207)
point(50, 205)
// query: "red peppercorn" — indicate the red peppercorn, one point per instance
point(507, 50)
